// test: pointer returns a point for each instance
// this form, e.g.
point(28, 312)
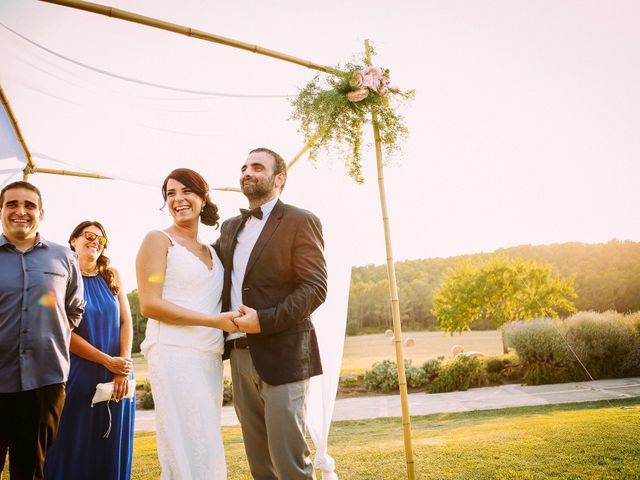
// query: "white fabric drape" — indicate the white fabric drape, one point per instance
point(324, 191)
point(330, 321)
point(12, 158)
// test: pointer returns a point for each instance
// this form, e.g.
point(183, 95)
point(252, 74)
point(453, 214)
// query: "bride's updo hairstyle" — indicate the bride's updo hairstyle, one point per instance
point(195, 181)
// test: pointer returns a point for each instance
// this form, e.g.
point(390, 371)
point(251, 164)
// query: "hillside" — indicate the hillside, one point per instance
point(607, 277)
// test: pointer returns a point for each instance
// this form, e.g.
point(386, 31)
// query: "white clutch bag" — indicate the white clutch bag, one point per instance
point(104, 392)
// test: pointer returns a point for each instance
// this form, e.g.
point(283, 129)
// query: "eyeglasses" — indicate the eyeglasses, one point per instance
point(90, 236)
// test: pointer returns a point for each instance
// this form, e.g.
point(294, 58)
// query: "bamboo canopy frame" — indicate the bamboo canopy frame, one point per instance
point(393, 290)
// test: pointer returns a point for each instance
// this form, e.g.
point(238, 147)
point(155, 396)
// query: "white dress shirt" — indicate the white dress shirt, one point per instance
point(247, 239)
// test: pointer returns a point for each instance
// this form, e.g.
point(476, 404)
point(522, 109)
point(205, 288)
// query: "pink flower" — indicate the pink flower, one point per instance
point(373, 71)
point(383, 90)
point(372, 78)
point(358, 95)
point(356, 79)
point(384, 81)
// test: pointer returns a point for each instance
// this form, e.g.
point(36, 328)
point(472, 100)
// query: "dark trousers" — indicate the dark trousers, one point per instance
point(28, 425)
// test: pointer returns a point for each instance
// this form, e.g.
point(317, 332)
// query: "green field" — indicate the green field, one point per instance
point(577, 441)
point(360, 352)
point(569, 441)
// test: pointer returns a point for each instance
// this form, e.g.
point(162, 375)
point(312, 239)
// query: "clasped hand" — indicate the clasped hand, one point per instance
point(119, 365)
point(244, 320)
point(120, 387)
point(248, 321)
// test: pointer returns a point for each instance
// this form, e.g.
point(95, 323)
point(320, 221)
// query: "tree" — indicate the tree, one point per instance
point(139, 322)
point(501, 289)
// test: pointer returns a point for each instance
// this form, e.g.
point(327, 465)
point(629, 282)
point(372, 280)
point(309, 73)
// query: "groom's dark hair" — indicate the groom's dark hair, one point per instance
point(279, 165)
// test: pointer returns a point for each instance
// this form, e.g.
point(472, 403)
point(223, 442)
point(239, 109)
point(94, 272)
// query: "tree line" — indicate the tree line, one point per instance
point(607, 277)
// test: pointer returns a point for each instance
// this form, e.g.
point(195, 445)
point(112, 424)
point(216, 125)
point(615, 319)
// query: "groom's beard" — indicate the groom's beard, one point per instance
point(261, 189)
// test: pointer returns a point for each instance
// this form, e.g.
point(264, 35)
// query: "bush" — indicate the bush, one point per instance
point(227, 393)
point(146, 400)
point(382, 376)
point(544, 355)
point(459, 374)
point(432, 368)
point(349, 380)
point(416, 376)
point(604, 342)
point(494, 365)
point(608, 344)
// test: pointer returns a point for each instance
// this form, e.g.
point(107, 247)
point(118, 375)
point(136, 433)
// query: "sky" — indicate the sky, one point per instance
point(524, 128)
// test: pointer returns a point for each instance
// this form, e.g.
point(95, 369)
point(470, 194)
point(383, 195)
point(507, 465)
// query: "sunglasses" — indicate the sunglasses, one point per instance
point(90, 236)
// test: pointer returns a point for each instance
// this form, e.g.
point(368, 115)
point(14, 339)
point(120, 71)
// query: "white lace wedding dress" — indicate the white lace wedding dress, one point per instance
point(185, 369)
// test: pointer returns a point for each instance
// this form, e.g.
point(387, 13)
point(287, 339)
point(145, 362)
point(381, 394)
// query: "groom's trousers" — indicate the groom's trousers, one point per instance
point(272, 418)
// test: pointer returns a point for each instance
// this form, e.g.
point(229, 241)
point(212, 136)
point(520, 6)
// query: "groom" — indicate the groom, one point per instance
point(275, 274)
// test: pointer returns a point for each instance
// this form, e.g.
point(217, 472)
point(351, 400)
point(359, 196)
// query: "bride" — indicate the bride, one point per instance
point(180, 284)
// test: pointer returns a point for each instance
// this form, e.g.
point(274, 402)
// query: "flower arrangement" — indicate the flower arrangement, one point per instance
point(336, 110)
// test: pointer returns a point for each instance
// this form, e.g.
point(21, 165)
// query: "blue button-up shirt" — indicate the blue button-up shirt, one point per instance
point(41, 296)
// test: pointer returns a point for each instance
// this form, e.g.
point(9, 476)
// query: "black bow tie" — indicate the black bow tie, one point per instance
point(254, 212)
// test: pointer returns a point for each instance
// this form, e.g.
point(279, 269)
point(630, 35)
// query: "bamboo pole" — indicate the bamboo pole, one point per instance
point(30, 165)
point(183, 30)
point(393, 292)
point(68, 173)
point(308, 145)
point(295, 159)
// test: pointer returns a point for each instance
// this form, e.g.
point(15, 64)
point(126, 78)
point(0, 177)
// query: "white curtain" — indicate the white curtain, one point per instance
point(12, 158)
point(333, 197)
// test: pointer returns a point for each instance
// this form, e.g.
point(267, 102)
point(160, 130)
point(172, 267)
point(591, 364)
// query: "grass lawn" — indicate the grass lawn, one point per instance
point(577, 441)
point(360, 352)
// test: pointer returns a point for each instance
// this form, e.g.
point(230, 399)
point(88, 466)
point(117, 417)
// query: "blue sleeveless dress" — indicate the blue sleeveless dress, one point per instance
point(80, 450)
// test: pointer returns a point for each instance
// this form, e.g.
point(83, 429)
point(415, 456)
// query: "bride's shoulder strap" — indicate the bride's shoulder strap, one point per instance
point(173, 242)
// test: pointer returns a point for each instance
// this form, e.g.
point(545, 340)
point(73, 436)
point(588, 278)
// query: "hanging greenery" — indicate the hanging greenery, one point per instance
point(335, 109)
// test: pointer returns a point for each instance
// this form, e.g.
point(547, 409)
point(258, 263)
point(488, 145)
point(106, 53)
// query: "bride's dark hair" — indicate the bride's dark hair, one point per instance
point(195, 181)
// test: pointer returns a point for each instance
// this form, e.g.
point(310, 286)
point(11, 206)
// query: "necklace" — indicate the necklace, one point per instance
point(94, 273)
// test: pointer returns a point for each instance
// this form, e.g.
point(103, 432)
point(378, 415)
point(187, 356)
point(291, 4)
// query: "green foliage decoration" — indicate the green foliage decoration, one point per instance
point(331, 107)
point(501, 289)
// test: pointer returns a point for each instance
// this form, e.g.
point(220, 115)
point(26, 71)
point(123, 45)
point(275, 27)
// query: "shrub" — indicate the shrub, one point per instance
point(227, 393)
point(503, 368)
point(349, 380)
point(416, 376)
point(146, 400)
point(544, 355)
point(608, 344)
point(604, 342)
point(382, 376)
point(459, 374)
point(494, 365)
point(432, 368)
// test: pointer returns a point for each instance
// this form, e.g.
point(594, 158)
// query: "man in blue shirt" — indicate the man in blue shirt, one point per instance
point(41, 301)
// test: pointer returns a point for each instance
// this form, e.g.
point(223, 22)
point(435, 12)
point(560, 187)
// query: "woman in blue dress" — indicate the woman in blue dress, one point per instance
point(96, 442)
